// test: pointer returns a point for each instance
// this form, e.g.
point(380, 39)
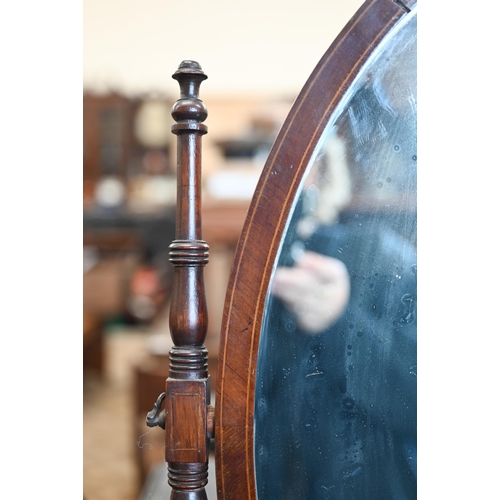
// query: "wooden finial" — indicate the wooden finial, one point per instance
point(189, 111)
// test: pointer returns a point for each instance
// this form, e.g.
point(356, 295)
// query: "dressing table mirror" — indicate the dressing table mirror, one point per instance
point(316, 382)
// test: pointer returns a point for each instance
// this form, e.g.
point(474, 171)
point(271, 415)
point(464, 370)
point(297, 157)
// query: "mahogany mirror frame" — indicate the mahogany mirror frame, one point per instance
point(263, 231)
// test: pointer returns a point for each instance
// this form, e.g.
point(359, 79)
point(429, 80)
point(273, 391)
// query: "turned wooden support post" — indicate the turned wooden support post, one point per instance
point(187, 417)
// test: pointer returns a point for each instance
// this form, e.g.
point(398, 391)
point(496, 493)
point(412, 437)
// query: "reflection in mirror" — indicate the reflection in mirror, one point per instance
point(335, 404)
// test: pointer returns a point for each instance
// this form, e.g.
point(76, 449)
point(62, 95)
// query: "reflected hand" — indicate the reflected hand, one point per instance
point(316, 290)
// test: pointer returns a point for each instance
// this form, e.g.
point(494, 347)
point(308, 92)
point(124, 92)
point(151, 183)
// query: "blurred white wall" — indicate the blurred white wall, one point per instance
point(252, 47)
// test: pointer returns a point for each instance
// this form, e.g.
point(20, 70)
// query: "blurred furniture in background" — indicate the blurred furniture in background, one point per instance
point(124, 138)
point(107, 134)
point(149, 382)
point(129, 196)
point(93, 346)
point(222, 223)
point(138, 241)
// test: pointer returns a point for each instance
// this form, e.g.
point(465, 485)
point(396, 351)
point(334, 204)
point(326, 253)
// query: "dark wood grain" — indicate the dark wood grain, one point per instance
point(187, 386)
point(262, 232)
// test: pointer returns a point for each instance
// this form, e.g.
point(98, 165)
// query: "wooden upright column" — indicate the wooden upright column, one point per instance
point(187, 417)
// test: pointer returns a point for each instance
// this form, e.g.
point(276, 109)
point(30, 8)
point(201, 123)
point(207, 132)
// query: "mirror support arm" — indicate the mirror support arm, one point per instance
point(188, 416)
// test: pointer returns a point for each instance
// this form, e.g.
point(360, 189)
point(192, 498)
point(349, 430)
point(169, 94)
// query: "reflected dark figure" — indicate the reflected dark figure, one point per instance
point(336, 411)
point(335, 407)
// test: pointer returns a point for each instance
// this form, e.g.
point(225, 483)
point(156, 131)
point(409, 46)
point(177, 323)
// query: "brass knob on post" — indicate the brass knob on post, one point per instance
point(156, 418)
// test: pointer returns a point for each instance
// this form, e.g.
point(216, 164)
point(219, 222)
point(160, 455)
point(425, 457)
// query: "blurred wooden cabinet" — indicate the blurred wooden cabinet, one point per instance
point(107, 138)
point(118, 132)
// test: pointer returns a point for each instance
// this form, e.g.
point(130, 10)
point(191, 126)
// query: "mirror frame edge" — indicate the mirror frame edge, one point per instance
point(262, 232)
